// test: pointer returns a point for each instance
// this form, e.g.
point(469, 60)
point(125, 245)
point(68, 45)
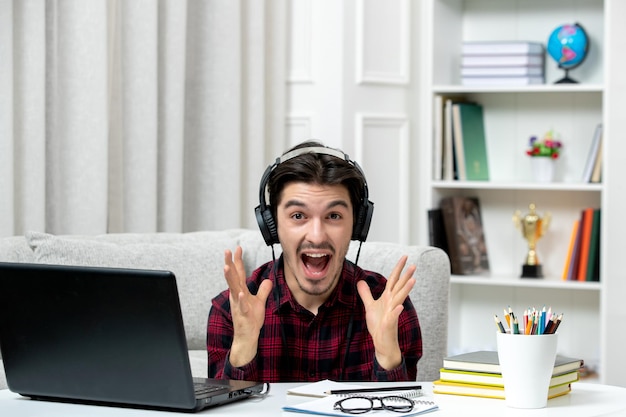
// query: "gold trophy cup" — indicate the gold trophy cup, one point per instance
point(533, 228)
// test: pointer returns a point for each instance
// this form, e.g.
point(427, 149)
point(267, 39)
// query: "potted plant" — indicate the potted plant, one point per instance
point(543, 153)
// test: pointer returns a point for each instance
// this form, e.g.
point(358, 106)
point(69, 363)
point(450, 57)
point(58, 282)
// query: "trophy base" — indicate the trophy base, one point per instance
point(532, 271)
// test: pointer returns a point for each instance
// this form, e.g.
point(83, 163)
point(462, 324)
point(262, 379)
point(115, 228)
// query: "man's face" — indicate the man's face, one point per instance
point(314, 228)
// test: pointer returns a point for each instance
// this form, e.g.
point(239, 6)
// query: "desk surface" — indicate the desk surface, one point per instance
point(585, 400)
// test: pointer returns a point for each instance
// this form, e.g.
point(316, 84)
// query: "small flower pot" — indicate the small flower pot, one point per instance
point(543, 168)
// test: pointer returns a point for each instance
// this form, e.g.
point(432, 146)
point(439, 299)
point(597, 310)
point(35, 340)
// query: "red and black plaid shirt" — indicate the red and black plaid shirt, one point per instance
point(296, 345)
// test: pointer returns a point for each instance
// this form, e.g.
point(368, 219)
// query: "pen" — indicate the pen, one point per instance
point(380, 389)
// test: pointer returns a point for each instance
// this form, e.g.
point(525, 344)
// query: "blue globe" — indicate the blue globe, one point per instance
point(568, 46)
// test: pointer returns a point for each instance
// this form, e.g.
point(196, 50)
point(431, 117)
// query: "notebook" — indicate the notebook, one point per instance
point(103, 336)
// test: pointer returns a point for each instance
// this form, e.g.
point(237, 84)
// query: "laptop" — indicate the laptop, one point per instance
point(103, 336)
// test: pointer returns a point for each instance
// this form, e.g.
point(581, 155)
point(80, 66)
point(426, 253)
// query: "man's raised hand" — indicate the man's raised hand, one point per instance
point(382, 314)
point(247, 309)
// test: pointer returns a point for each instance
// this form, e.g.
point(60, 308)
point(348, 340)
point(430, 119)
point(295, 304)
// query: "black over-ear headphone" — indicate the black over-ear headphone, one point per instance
point(266, 220)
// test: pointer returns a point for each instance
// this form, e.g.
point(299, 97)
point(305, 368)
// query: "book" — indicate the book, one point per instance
point(501, 47)
point(570, 251)
point(593, 263)
point(486, 391)
point(524, 71)
point(442, 136)
point(457, 144)
point(438, 137)
point(520, 60)
point(502, 81)
point(467, 248)
point(495, 379)
point(487, 361)
point(448, 160)
point(572, 273)
point(593, 154)
point(596, 175)
point(586, 222)
point(436, 230)
point(469, 137)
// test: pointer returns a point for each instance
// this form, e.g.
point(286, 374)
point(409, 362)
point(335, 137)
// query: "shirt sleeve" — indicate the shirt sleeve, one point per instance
point(219, 341)
point(220, 334)
point(246, 373)
point(410, 339)
point(398, 374)
point(219, 338)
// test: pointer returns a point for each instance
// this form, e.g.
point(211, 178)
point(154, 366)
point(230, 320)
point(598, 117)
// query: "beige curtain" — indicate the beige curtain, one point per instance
point(137, 115)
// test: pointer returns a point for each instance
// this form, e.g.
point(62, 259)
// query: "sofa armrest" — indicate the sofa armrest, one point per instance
point(15, 249)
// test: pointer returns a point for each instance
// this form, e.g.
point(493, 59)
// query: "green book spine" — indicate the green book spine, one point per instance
point(474, 142)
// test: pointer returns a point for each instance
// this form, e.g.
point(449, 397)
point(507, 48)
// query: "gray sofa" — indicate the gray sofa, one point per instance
point(197, 260)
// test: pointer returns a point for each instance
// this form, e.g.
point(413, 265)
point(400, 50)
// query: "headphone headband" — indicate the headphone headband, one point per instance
point(313, 149)
point(265, 218)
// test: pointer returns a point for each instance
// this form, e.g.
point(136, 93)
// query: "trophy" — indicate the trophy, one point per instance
point(533, 228)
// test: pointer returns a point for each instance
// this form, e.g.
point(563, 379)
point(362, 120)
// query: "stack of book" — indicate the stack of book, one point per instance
point(502, 63)
point(477, 374)
point(459, 140)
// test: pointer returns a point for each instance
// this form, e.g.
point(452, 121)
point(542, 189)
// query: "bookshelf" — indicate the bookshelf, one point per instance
point(512, 115)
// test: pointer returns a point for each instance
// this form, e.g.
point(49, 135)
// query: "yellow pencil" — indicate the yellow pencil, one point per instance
point(508, 318)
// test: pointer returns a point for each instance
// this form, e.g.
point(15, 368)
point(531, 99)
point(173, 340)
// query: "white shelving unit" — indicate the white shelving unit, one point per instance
point(512, 115)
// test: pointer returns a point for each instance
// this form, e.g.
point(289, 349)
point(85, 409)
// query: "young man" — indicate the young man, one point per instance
point(312, 314)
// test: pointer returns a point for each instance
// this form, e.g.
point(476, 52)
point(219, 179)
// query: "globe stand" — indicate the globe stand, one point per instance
point(566, 79)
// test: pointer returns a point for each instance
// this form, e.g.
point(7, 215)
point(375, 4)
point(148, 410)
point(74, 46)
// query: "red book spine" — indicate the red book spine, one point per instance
point(587, 221)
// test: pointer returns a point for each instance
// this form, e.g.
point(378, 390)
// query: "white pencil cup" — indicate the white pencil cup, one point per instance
point(526, 363)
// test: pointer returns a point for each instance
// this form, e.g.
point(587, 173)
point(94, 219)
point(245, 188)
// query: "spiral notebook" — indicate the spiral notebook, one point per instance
point(325, 407)
point(324, 404)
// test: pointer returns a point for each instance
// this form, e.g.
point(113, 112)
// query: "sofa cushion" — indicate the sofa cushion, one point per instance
point(196, 259)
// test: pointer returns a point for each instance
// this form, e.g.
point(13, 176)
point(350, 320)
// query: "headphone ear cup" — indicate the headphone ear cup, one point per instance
point(363, 222)
point(267, 225)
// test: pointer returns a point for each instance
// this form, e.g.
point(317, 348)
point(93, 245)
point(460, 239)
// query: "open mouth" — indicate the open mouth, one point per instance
point(315, 264)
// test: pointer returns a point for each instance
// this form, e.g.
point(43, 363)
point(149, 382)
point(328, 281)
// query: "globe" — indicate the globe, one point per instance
point(568, 45)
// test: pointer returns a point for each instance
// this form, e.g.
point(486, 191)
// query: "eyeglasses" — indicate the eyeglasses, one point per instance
point(361, 405)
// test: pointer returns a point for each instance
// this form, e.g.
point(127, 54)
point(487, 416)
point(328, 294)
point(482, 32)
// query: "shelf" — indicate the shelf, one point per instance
point(540, 88)
point(524, 282)
point(528, 186)
point(513, 114)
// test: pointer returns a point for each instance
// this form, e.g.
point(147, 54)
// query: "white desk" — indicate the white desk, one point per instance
point(585, 400)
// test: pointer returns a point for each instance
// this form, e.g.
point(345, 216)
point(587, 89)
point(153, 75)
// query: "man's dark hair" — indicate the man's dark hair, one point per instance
point(316, 168)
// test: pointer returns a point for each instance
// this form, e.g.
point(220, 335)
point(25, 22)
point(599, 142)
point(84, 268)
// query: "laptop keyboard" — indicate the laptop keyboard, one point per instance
point(203, 390)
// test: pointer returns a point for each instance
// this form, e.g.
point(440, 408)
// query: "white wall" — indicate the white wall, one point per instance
point(351, 84)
